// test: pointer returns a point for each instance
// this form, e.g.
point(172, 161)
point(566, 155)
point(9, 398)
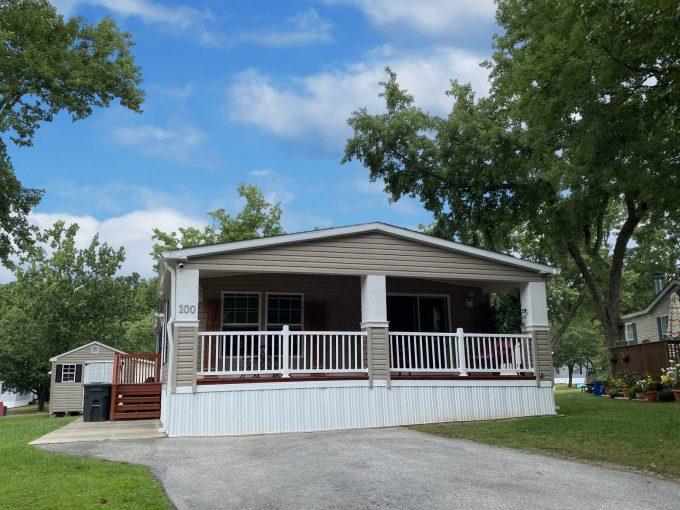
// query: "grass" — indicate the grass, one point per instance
point(622, 433)
point(34, 478)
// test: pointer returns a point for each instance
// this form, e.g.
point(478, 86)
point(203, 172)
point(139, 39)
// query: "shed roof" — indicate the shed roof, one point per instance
point(55, 358)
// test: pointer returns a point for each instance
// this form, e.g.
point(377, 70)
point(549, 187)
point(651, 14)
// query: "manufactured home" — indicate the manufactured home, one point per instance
point(89, 363)
point(12, 399)
point(362, 326)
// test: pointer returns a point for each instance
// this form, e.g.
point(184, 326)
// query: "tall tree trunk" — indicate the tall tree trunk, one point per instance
point(608, 308)
point(570, 368)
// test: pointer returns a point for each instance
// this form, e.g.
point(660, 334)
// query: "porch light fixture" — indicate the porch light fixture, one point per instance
point(469, 301)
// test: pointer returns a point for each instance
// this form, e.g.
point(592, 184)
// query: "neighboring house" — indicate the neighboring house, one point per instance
point(92, 362)
point(561, 375)
point(362, 326)
point(651, 324)
point(11, 399)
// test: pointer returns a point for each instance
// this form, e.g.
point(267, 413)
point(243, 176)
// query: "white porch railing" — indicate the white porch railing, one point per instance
point(281, 352)
point(461, 353)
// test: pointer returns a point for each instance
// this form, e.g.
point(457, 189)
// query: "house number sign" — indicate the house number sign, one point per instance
point(187, 308)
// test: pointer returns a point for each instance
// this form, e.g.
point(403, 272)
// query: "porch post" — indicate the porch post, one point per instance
point(374, 322)
point(184, 304)
point(535, 321)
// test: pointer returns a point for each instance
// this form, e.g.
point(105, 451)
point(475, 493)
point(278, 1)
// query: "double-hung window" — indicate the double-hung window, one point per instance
point(662, 325)
point(631, 333)
point(284, 309)
point(68, 373)
point(240, 311)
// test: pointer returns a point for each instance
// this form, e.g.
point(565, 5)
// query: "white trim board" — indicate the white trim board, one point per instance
point(185, 253)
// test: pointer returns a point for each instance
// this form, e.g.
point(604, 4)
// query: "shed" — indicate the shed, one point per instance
point(92, 362)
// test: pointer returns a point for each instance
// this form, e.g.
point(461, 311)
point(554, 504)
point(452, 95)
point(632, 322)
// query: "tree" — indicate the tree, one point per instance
point(258, 218)
point(580, 344)
point(63, 297)
point(574, 151)
point(49, 65)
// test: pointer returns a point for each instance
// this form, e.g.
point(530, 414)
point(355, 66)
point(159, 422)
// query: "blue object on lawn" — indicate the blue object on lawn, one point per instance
point(598, 389)
point(580, 385)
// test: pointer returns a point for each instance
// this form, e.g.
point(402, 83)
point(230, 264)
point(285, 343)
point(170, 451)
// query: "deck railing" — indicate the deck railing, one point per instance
point(461, 353)
point(282, 352)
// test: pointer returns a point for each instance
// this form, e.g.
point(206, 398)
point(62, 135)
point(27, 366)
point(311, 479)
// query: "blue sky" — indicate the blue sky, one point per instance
point(248, 91)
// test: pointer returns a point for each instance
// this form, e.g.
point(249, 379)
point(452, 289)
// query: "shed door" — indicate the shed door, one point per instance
point(99, 372)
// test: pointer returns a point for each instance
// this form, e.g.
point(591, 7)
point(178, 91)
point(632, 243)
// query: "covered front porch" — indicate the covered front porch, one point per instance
point(285, 326)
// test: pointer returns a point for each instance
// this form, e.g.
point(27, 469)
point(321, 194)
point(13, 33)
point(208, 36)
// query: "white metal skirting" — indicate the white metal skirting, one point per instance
point(266, 410)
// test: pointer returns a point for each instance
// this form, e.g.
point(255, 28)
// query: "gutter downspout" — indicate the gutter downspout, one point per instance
point(171, 344)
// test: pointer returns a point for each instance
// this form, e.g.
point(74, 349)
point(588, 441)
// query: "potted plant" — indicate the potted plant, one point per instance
point(649, 388)
point(635, 391)
point(671, 377)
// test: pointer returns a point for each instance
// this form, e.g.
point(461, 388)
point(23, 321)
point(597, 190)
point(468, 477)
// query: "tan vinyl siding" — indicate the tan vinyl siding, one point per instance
point(341, 296)
point(646, 326)
point(544, 365)
point(378, 354)
point(186, 338)
point(368, 253)
point(67, 397)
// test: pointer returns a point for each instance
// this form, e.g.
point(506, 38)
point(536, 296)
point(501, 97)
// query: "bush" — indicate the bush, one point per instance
point(666, 395)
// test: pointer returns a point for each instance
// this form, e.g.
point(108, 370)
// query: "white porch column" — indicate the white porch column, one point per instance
point(535, 321)
point(184, 303)
point(374, 322)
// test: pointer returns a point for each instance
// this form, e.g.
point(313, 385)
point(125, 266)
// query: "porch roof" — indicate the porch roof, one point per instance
point(202, 251)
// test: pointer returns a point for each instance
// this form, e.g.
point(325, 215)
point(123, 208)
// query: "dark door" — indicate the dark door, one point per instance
point(418, 313)
point(402, 313)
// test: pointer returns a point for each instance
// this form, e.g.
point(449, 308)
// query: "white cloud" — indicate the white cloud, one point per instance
point(428, 17)
point(303, 28)
point(178, 17)
point(132, 230)
point(180, 143)
point(315, 108)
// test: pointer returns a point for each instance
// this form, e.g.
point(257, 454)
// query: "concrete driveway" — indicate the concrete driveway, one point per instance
point(374, 469)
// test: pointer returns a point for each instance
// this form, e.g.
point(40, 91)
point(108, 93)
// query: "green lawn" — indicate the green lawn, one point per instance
point(625, 433)
point(33, 478)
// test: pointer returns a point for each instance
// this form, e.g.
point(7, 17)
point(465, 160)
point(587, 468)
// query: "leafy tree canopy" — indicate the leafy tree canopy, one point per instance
point(49, 65)
point(258, 218)
point(572, 153)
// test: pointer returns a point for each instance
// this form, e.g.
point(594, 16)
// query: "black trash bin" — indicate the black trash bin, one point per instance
point(96, 402)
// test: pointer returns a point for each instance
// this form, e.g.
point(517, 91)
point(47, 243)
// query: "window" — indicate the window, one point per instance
point(240, 311)
point(418, 313)
point(631, 333)
point(284, 309)
point(662, 325)
point(68, 373)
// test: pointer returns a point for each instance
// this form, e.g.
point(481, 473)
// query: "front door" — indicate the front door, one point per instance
point(418, 313)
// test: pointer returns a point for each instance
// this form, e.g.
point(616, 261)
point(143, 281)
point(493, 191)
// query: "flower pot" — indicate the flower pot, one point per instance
point(676, 394)
point(650, 396)
point(625, 392)
point(606, 390)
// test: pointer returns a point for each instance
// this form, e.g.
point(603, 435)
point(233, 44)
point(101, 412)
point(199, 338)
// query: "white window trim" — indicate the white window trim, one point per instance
point(244, 324)
point(266, 308)
point(662, 334)
point(448, 305)
point(63, 370)
point(628, 339)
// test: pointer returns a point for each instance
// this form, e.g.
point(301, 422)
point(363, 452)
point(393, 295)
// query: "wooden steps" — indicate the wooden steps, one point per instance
point(136, 388)
point(136, 401)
